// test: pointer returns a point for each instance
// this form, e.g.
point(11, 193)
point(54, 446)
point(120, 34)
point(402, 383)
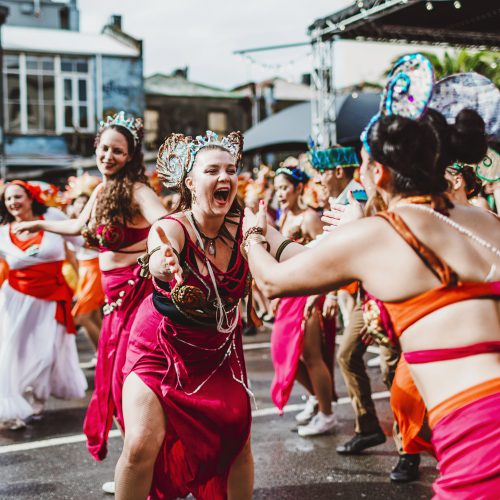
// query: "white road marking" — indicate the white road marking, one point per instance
point(256, 345)
point(80, 438)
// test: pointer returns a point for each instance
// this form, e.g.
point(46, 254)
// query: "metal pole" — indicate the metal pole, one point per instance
point(4, 12)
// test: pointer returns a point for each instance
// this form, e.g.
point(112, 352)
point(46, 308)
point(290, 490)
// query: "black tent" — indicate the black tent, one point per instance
point(290, 128)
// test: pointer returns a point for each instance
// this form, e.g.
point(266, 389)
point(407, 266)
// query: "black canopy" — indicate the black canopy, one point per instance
point(291, 128)
point(474, 24)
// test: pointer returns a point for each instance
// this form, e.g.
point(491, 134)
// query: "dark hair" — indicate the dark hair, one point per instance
point(463, 142)
point(294, 175)
point(186, 200)
point(410, 150)
point(6, 217)
point(115, 200)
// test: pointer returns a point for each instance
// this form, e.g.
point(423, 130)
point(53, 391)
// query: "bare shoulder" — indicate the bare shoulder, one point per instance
point(173, 229)
point(310, 215)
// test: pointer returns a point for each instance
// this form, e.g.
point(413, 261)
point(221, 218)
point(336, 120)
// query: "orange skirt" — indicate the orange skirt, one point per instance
point(409, 410)
point(4, 271)
point(90, 295)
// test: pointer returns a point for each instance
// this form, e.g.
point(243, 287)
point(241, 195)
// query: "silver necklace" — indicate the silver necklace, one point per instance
point(457, 227)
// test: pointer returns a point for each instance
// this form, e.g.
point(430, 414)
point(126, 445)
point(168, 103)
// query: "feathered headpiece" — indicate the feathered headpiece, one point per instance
point(177, 154)
point(472, 91)
point(134, 125)
point(326, 159)
point(407, 93)
point(82, 185)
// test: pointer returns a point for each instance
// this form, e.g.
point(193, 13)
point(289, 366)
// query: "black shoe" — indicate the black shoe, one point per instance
point(406, 469)
point(360, 442)
point(249, 330)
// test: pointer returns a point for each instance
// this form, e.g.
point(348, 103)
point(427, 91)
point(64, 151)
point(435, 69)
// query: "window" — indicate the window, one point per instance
point(47, 94)
point(151, 127)
point(217, 121)
point(76, 94)
point(12, 93)
point(40, 91)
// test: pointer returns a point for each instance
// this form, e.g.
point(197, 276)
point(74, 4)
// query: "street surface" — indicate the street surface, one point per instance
point(49, 461)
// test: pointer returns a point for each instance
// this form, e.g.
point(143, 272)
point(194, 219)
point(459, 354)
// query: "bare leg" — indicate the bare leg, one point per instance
point(88, 322)
point(145, 425)
point(316, 367)
point(302, 376)
point(240, 481)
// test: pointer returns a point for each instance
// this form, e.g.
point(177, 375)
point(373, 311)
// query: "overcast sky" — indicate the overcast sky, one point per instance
point(203, 36)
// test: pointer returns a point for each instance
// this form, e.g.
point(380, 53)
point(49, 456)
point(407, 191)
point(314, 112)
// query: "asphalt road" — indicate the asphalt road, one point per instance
point(48, 460)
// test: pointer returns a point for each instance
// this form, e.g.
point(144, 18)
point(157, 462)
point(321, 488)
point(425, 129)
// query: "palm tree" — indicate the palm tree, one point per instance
point(485, 63)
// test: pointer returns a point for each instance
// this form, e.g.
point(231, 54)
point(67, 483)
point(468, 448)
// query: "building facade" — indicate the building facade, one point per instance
point(58, 83)
point(176, 104)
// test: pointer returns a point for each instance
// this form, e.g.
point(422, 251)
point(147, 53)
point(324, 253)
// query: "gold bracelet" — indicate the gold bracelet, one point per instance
point(252, 240)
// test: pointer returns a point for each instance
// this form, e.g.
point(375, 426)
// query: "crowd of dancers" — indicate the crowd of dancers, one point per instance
point(397, 245)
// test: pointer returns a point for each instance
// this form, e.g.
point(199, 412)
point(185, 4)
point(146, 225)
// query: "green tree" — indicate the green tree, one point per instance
point(485, 63)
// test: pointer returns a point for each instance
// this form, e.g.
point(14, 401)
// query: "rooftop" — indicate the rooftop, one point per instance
point(179, 86)
point(45, 40)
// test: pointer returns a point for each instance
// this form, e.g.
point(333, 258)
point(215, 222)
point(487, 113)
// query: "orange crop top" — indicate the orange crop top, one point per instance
point(405, 313)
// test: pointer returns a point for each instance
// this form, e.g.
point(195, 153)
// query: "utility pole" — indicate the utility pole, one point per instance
point(4, 12)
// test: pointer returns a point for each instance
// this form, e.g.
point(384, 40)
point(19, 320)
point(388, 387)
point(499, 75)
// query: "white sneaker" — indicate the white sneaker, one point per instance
point(305, 416)
point(320, 424)
point(109, 487)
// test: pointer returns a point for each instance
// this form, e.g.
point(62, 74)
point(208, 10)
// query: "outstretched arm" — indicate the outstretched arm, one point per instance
point(66, 227)
point(334, 262)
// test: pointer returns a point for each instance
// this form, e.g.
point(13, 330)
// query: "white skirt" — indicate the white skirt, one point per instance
point(35, 353)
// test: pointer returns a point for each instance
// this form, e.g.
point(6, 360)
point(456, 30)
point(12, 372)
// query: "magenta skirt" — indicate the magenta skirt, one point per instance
point(287, 341)
point(201, 388)
point(467, 444)
point(125, 290)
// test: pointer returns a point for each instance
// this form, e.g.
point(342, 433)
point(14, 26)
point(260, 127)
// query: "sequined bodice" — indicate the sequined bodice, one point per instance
point(195, 298)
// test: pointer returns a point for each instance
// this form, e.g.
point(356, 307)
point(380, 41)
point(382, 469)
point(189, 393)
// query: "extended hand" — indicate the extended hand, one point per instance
point(170, 262)
point(330, 307)
point(342, 214)
point(27, 227)
point(256, 220)
point(310, 306)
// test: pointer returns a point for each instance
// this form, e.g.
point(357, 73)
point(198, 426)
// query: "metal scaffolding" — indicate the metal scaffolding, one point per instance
point(324, 129)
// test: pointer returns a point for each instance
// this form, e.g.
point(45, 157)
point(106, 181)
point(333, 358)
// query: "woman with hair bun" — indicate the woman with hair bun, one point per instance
point(115, 221)
point(303, 336)
point(38, 355)
point(432, 266)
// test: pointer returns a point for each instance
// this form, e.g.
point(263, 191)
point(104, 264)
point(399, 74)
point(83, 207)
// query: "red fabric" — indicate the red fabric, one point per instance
point(205, 431)
point(193, 369)
point(431, 355)
point(467, 443)
point(4, 271)
point(114, 238)
point(46, 282)
point(287, 341)
point(36, 239)
point(404, 314)
point(35, 192)
point(111, 354)
point(409, 410)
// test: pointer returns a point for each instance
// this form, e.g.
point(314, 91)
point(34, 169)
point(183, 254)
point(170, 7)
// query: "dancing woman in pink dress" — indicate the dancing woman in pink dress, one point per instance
point(302, 341)
point(116, 221)
point(186, 398)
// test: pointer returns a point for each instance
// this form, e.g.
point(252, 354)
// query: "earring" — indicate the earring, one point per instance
point(193, 197)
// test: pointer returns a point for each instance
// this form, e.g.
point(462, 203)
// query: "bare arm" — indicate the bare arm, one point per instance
point(66, 227)
point(334, 262)
point(149, 204)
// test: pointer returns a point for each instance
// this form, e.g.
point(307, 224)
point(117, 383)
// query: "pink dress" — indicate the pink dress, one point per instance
point(198, 375)
point(287, 339)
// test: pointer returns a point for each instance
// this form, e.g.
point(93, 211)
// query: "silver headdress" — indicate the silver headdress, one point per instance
point(177, 154)
point(133, 125)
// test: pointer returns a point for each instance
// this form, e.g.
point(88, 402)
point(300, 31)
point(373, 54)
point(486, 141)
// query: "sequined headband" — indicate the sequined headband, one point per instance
point(326, 159)
point(133, 125)
point(407, 93)
point(177, 154)
point(293, 172)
